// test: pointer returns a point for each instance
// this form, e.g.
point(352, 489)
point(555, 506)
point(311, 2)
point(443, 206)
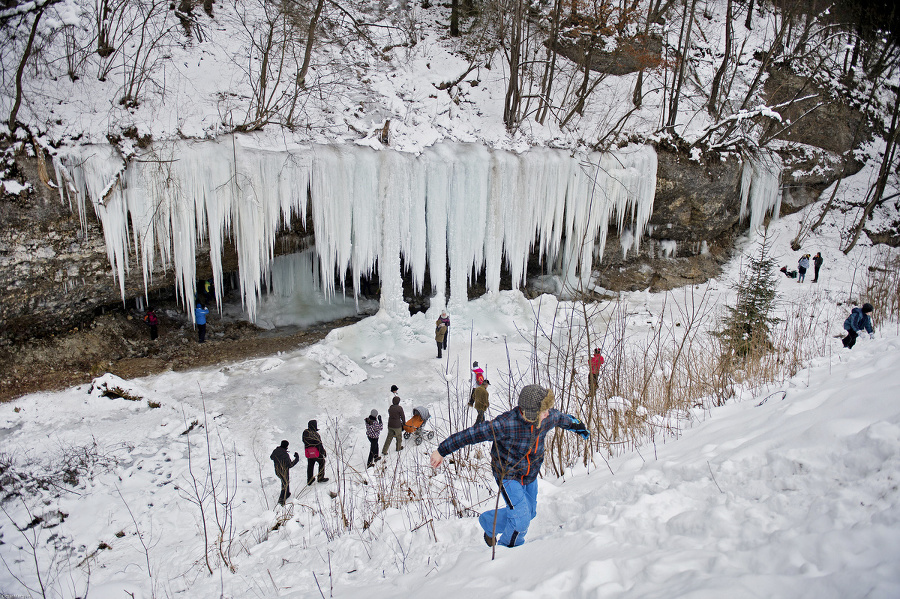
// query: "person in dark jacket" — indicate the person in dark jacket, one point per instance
point(315, 453)
point(817, 264)
point(283, 465)
point(373, 430)
point(517, 453)
point(396, 420)
point(857, 321)
point(481, 400)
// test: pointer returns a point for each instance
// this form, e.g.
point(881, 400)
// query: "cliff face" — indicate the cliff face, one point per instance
point(55, 273)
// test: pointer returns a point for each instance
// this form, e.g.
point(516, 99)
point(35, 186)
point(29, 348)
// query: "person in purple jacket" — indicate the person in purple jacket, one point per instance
point(517, 452)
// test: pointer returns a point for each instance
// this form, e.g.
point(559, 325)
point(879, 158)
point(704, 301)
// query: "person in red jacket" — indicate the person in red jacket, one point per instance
point(596, 363)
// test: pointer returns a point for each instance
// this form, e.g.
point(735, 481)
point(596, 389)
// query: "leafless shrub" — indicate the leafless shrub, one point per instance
point(211, 487)
point(882, 287)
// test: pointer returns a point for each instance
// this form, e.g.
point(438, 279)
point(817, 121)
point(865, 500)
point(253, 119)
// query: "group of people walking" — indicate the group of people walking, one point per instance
point(315, 453)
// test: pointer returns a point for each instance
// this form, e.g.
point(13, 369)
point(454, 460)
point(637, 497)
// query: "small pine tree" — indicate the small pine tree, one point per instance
point(746, 326)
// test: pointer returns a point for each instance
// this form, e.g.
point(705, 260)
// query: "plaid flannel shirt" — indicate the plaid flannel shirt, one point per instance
point(517, 451)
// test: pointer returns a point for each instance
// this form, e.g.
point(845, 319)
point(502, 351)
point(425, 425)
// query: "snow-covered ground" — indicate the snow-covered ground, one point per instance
point(786, 492)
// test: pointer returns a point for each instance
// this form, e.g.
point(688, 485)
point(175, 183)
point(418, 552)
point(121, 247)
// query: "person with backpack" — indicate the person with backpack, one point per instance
point(593, 375)
point(481, 400)
point(396, 420)
point(153, 322)
point(857, 321)
point(517, 452)
point(443, 319)
point(373, 430)
point(440, 336)
point(283, 465)
point(315, 453)
point(200, 313)
point(477, 374)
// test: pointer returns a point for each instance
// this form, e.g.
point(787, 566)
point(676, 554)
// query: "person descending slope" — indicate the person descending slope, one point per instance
point(857, 321)
point(517, 453)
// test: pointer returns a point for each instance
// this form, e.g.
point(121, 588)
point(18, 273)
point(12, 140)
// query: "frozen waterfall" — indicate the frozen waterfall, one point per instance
point(760, 187)
point(455, 206)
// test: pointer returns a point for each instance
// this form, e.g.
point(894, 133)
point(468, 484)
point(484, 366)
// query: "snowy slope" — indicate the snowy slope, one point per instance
point(786, 492)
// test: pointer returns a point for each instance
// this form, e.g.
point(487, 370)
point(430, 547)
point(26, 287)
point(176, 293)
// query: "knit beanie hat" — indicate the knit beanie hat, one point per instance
point(284, 443)
point(394, 388)
point(374, 414)
point(534, 399)
point(866, 308)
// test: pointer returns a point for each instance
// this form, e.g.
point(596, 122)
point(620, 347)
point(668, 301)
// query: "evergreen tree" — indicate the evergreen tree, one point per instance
point(747, 325)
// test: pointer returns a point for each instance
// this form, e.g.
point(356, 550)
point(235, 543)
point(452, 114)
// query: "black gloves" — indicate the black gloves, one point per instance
point(296, 455)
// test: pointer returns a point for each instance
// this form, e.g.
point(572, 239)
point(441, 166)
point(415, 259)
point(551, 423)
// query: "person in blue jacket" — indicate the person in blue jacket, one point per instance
point(517, 453)
point(857, 321)
point(200, 313)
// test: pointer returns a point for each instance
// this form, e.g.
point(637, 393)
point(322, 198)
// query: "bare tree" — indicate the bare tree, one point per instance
point(875, 196)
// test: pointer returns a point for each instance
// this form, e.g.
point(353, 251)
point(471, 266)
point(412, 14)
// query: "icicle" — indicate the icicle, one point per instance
point(456, 205)
point(760, 188)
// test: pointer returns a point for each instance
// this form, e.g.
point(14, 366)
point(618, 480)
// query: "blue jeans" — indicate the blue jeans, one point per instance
point(512, 520)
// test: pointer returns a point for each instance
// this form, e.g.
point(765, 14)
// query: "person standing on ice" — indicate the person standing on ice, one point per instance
point(396, 420)
point(440, 336)
point(596, 363)
point(373, 430)
point(817, 264)
point(481, 400)
point(802, 265)
point(153, 322)
point(315, 453)
point(477, 379)
point(283, 465)
point(446, 321)
point(200, 313)
point(517, 453)
point(857, 321)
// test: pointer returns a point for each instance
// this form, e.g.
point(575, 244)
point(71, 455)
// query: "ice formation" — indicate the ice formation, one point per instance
point(760, 188)
point(458, 206)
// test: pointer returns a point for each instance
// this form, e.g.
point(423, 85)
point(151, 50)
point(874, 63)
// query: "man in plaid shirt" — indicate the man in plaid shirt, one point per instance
point(517, 452)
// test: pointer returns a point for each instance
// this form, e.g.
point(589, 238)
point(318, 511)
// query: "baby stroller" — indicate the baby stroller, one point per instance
point(414, 425)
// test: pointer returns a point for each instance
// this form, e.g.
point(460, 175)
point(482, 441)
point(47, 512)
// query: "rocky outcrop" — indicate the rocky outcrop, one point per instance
point(629, 56)
point(822, 120)
point(696, 200)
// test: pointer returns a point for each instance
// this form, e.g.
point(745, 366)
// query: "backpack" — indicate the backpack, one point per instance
point(312, 452)
point(151, 319)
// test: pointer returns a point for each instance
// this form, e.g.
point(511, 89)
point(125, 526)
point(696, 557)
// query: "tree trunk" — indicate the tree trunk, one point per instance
point(29, 45)
point(720, 73)
point(685, 45)
point(310, 39)
point(877, 192)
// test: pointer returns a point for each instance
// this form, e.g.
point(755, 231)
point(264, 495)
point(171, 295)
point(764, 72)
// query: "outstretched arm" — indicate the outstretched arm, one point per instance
point(575, 425)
